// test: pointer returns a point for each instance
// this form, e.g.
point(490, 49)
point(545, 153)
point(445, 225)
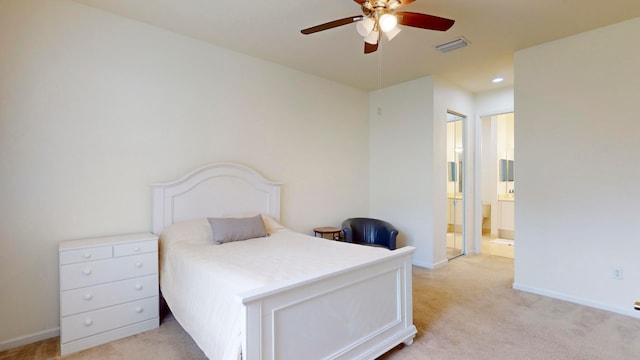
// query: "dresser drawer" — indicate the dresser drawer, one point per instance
point(100, 296)
point(134, 248)
point(94, 322)
point(87, 254)
point(102, 271)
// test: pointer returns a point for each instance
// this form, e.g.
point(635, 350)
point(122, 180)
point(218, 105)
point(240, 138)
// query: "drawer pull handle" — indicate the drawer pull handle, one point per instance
point(86, 271)
point(139, 264)
point(88, 322)
point(136, 249)
point(139, 309)
point(87, 255)
point(88, 297)
point(138, 286)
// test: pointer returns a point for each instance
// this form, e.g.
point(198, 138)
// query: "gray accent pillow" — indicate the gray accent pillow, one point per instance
point(235, 229)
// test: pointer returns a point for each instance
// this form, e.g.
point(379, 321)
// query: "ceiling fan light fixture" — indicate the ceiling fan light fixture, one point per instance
point(387, 22)
point(392, 33)
point(393, 4)
point(372, 38)
point(365, 26)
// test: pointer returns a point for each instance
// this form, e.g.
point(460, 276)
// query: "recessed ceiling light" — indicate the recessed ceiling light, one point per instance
point(497, 80)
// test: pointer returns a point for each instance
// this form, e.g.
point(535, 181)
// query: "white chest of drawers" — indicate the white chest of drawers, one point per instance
point(108, 289)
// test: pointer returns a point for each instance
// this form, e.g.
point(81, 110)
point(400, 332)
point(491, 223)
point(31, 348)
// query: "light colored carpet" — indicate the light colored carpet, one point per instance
point(464, 310)
point(169, 342)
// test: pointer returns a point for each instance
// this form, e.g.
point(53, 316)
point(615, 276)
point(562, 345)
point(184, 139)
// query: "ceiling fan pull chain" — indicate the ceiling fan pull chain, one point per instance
point(379, 70)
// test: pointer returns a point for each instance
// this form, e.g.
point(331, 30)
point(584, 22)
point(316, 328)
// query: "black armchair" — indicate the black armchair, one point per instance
point(368, 231)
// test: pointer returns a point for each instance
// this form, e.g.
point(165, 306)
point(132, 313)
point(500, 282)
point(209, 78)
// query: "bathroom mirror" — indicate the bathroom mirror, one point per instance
point(506, 170)
point(506, 155)
point(453, 173)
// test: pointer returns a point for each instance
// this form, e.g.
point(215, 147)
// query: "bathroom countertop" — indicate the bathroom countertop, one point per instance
point(506, 197)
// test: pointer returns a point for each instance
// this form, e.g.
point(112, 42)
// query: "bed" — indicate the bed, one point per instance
point(284, 296)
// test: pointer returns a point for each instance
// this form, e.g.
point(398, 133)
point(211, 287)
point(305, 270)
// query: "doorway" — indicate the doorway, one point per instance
point(456, 133)
point(497, 179)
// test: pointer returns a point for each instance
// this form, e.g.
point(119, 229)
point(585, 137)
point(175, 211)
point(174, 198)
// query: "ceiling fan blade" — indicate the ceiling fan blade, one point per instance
point(332, 24)
point(369, 48)
point(424, 21)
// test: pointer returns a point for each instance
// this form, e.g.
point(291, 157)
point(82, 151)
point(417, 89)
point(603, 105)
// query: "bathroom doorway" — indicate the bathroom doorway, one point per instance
point(497, 178)
point(456, 133)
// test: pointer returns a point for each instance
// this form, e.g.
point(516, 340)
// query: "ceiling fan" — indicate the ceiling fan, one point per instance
point(381, 16)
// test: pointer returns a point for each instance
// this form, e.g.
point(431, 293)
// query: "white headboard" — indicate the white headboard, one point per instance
point(221, 189)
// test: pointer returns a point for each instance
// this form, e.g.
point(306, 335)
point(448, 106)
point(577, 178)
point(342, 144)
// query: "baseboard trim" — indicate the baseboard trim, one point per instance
point(422, 265)
point(29, 339)
point(431, 266)
point(576, 300)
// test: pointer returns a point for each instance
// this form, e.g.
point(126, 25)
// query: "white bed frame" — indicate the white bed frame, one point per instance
point(356, 313)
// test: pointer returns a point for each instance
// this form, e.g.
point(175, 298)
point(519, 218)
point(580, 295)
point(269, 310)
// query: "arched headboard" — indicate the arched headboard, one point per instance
point(222, 189)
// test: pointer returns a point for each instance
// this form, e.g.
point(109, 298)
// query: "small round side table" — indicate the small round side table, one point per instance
point(334, 232)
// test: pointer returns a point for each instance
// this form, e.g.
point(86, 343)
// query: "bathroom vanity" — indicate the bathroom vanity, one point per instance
point(506, 216)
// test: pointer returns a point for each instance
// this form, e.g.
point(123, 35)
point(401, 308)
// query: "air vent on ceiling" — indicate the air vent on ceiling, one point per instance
point(452, 45)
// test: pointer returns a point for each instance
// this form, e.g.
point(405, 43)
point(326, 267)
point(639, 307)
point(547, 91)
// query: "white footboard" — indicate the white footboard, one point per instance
point(356, 313)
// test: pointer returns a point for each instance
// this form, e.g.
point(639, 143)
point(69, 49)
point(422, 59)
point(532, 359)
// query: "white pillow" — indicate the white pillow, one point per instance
point(197, 230)
point(271, 224)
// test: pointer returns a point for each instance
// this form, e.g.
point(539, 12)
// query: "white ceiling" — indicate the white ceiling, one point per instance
point(271, 30)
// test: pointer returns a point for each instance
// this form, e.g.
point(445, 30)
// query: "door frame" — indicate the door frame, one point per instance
point(464, 170)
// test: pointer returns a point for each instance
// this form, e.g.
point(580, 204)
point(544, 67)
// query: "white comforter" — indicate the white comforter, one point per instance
point(200, 280)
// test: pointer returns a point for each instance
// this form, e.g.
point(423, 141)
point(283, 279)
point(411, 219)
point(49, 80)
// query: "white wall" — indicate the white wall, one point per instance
point(408, 161)
point(576, 135)
point(401, 163)
point(95, 107)
point(491, 102)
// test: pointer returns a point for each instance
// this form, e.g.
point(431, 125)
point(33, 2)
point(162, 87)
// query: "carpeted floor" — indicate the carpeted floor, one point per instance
point(464, 310)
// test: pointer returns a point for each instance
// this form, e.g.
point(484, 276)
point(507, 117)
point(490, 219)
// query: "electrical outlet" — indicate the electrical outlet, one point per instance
point(617, 273)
